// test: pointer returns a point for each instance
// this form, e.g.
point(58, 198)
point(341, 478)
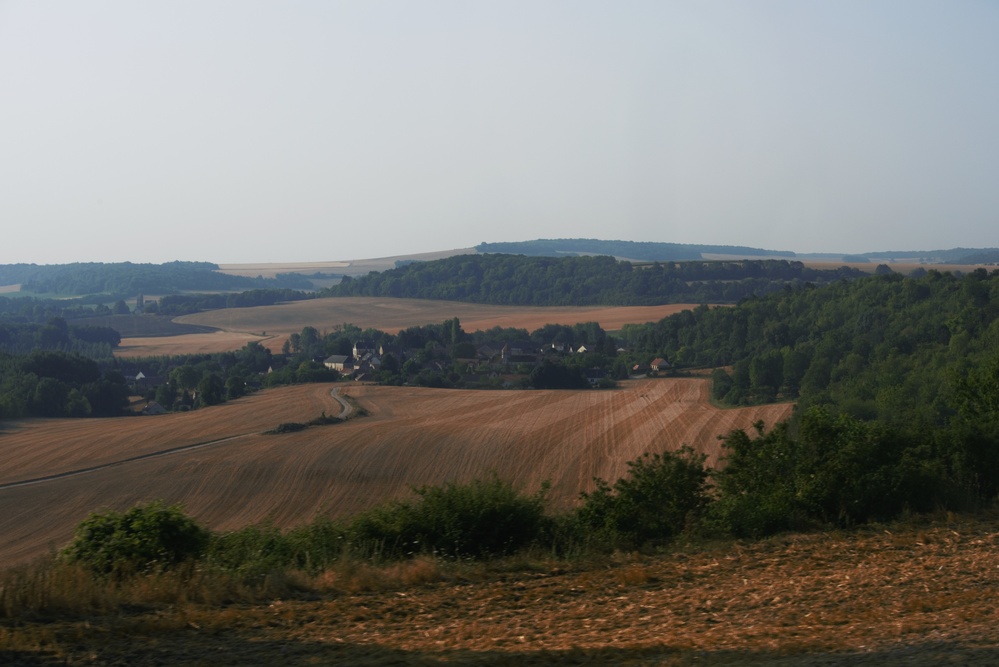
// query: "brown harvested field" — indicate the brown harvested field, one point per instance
point(199, 343)
point(271, 325)
point(412, 436)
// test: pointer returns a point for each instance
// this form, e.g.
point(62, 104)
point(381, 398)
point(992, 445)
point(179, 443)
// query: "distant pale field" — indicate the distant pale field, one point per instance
point(351, 267)
point(903, 268)
point(270, 270)
point(199, 343)
point(271, 325)
point(413, 436)
point(10, 289)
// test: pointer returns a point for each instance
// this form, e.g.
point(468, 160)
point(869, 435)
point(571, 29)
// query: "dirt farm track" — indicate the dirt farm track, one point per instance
point(411, 436)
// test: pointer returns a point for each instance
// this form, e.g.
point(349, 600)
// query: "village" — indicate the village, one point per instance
point(506, 365)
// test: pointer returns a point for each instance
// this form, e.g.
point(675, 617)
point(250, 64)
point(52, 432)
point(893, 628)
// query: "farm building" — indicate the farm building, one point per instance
point(337, 362)
point(659, 364)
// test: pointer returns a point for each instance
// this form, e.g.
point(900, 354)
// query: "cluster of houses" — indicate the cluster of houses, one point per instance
point(494, 360)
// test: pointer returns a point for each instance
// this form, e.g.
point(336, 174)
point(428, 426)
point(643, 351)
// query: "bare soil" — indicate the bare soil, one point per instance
point(412, 436)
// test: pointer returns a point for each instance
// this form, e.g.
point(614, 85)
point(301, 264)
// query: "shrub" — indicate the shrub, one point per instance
point(481, 518)
point(260, 550)
point(654, 503)
point(286, 427)
point(251, 551)
point(147, 537)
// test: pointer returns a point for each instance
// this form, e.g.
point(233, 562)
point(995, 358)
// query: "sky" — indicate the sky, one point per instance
point(245, 131)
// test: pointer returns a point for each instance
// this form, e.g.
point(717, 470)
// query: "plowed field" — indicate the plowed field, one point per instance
point(271, 325)
point(412, 436)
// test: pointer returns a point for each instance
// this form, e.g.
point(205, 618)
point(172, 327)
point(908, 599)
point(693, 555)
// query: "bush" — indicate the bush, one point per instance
point(481, 518)
point(251, 551)
point(147, 537)
point(655, 502)
point(257, 551)
point(286, 427)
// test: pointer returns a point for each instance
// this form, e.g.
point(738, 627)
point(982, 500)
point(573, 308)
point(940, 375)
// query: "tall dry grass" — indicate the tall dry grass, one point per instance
point(51, 588)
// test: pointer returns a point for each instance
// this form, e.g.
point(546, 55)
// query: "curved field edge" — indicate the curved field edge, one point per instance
point(411, 436)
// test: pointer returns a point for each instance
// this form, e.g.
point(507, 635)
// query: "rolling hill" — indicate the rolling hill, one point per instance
point(412, 436)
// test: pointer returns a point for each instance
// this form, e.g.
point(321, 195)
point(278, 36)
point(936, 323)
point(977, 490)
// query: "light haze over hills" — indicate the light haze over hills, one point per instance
point(272, 132)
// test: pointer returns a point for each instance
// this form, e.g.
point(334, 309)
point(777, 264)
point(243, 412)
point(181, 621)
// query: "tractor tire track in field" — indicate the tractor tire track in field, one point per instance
point(410, 437)
point(346, 409)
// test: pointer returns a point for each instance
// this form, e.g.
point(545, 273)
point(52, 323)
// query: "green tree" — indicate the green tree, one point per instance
point(147, 537)
point(659, 497)
point(484, 517)
point(211, 390)
point(185, 377)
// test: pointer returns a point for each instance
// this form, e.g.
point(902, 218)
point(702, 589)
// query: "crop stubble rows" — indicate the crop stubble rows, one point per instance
point(413, 436)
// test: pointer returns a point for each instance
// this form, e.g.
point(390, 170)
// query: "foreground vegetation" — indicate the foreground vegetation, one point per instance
point(916, 593)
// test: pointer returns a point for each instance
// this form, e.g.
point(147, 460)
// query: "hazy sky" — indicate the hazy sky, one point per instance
point(305, 131)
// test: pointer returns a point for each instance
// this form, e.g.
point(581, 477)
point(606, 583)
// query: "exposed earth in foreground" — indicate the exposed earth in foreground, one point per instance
point(920, 594)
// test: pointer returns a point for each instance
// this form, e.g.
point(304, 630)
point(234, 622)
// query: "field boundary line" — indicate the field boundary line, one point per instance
point(347, 409)
point(111, 464)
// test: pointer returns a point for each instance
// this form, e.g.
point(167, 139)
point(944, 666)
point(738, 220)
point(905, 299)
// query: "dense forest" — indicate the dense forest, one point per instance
point(126, 278)
point(55, 334)
point(897, 381)
point(583, 281)
point(871, 346)
point(59, 384)
point(182, 304)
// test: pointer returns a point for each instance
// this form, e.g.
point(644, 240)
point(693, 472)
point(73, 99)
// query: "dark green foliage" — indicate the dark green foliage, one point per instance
point(881, 347)
point(147, 537)
point(256, 551)
point(550, 281)
point(477, 519)
point(211, 389)
point(756, 486)
point(323, 420)
point(23, 338)
point(182, 304)
point(659, 497)
point(126, 278)
point(251, 551)
point(287, 427)
point(549, 375)
point(57, 384)
point(837, 470)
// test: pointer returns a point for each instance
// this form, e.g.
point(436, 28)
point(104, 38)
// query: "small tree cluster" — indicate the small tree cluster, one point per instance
point(147, 537)
point(659, 497)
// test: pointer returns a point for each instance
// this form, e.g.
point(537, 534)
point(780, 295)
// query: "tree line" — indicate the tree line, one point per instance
point(580, 281)
point(126, 278)
point(59, 384)
point(55, 334)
